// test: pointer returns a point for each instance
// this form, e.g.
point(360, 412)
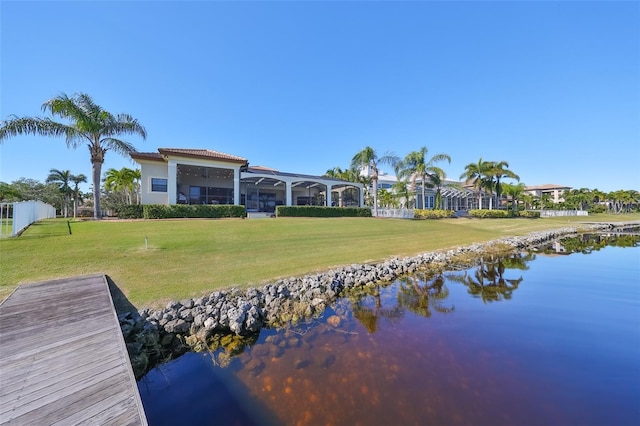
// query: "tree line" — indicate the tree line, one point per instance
point(84, 122)
point(486, 178)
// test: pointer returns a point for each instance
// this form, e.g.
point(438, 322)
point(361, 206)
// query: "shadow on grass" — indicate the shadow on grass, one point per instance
point(46, 229)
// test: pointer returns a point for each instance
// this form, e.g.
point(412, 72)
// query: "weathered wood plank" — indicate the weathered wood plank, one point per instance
point(62, 357)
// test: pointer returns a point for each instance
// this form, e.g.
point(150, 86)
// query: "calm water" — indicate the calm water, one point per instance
point(528, 340)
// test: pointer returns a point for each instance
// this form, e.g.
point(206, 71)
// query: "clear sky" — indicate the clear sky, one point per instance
point(553, 88)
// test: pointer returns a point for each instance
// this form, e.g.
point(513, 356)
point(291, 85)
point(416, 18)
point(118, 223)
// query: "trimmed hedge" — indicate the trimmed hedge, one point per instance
point(433, 214)
point(319, 211)
point(161, 211)
point(485, 213)
point(129, 211)
point(499, 214)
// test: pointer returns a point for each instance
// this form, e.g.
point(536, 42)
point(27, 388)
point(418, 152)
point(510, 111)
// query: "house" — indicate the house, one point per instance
point(554, 191)
point(203, 176)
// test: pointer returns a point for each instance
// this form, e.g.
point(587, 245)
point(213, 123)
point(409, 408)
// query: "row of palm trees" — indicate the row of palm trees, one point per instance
point(69, 186)
point(487, 177)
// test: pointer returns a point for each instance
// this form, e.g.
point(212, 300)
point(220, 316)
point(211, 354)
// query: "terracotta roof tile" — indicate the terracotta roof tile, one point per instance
point(147, 156)
point(201, 153)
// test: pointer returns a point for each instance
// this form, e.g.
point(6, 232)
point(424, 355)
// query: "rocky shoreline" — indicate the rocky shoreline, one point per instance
point(153, 336)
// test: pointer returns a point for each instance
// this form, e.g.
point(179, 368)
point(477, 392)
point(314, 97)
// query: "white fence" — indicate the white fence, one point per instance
point(18, 216)
point(556, 213)
point(396, 213)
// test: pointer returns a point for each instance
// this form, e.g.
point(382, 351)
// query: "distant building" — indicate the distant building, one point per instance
point(555, 191)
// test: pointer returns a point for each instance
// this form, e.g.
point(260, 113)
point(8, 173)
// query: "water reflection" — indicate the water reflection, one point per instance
point(423, 292)
point(587, 243)
point(368, 315)
point(488, 281)
point(418, 351)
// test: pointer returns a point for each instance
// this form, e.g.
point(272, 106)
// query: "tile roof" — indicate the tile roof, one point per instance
point(147, 156)
point(201, 153)
point(547, 186)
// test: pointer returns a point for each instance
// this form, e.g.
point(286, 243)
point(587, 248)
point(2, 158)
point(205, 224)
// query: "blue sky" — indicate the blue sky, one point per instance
point(553, 88)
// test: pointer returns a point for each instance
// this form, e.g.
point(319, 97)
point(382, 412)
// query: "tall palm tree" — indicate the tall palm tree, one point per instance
point(416, 166)
point(88, 123)
point(62, 178)
point(500, 170)
point(77, 180)
point(369, 159)
point(477, 173)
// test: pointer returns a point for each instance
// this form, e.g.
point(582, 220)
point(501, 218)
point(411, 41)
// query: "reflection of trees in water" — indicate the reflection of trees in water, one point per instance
point(587, 243)
point(488, 281)
point(368, 315)
point(420, 299)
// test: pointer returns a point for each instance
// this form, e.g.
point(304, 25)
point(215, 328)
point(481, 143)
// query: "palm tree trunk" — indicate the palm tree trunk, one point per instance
point(424, 193)
point(375, 196)
point(96, 168)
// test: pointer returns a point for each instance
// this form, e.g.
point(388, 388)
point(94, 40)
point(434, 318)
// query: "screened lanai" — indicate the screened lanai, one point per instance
point(262, 189)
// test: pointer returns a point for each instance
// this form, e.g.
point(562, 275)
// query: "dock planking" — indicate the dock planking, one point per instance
point(63, 359)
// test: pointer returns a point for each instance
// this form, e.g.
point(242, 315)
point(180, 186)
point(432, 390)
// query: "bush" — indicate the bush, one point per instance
point(125, 211)
point(530, 214)
point(319, 211)
point(488, 214)
point(499, 214)
point(161, 211)
point(432, 214)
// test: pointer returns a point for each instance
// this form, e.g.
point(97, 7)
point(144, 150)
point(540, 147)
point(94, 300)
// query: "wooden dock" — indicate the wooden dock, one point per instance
point(63, 359)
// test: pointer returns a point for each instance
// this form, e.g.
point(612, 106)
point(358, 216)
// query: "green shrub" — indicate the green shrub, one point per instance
point(319, 211)
point(432, 214)
point(499, 214)
point(126, 211)
point(530, 214)
point(161, 211)
point(487, 214)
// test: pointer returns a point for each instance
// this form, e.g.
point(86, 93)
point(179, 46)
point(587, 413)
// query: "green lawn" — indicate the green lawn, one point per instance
point(187, 258)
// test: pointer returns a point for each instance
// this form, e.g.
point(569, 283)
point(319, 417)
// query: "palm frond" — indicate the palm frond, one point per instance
point(35, 126)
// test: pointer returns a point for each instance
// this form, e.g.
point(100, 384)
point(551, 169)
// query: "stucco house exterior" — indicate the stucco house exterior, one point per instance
point(203, 176)
point(555, 191)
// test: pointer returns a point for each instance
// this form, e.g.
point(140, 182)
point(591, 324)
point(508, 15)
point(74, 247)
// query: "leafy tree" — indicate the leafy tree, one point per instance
point(88, 123)
point(8, 192)
point(31, 189)
point(369, 159)
point(62, 179)
point(478, 174)
point(416, 166)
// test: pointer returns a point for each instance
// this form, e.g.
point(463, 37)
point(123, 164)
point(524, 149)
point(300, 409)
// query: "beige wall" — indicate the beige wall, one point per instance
point(148, 170)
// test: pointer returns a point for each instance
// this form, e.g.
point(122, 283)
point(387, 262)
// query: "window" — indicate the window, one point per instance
point(158, 185)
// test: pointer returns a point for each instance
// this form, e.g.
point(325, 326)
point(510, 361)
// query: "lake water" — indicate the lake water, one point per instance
point(532, 339)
